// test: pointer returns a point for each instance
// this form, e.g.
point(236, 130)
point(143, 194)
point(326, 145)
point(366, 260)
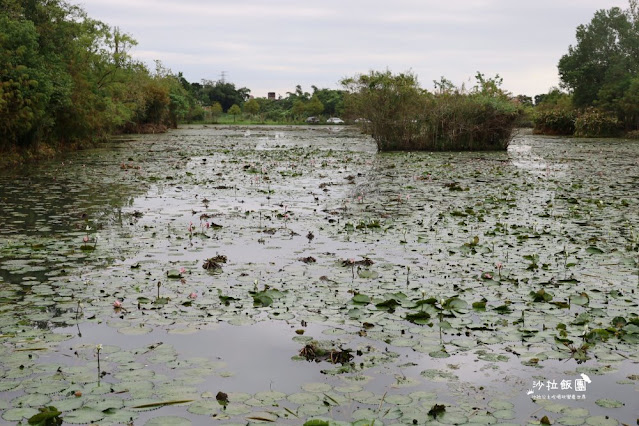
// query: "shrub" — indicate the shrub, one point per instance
point(400, 116)
point(593, 123)
point(634, 134)
point(555, 121)
point(467, 122)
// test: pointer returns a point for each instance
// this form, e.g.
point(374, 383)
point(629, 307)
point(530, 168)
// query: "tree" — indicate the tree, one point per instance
point(390, 102)
point(314, 106)
point(554, 97)
point(235, 110)
point(225, 93)
point(216, 111)
point(299, 109)
point(333, 100)
point(23, 93)
point(606, 57)
point(525, 100)
point(252, 107)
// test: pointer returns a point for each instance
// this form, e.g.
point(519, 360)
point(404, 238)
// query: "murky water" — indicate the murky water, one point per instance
point(297, 211)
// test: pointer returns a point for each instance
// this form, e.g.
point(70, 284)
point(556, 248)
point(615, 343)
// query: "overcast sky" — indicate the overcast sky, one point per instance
point(273, 45)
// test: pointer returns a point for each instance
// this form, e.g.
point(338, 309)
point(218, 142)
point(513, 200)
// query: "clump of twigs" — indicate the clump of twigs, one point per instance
point(315, 351)
point(213, 263)
point(363, 262)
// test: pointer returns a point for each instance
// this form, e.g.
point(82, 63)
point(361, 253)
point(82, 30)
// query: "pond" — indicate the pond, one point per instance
point(260, 274)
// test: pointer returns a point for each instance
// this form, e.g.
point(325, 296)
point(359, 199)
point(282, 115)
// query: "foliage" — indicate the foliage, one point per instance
point(314, 106)
point(332, 101)
point(601, 69)
point(216, 110)
point(252, 107)
point(595, 123)
point(235, 110)
point(402, 116)
point(294, 108)
point(554, 121)
point(553, 99)
point(67, 79)
point(554, 113)
point(390, 102)
point(226, 94)
point(48, 416)
point(22, 96)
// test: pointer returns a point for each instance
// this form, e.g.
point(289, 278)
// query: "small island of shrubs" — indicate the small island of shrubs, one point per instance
point(401, 116)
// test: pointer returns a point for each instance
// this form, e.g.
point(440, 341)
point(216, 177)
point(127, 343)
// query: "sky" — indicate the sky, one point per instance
point(274, 45)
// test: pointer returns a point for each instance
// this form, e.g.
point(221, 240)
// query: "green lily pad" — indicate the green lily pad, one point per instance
point(17, 414)
point(317, 387)
point(204, 407)
point(83, 415)
point(168, 421)
point(601, 421)
point(571, 421)
point(303, 398)
point(609, 403)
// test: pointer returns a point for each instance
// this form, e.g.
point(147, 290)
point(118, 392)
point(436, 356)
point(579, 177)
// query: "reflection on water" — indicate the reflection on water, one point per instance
point(162, 204)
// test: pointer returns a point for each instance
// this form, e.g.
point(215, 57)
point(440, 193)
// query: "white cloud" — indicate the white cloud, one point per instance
point(280, 43)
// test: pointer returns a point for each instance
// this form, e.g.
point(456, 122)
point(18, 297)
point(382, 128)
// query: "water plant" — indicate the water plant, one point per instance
point(47, 416)
point(272, 295)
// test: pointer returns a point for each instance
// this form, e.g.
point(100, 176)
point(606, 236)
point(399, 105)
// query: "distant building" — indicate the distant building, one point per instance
point(271, 95)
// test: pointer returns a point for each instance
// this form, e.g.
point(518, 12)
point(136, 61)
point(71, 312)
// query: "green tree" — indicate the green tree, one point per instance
point(390, 102)
point(24, 91)
point(525, 100)
point(235, 110)
point(216, 111)
point(299, 109)
point(314, 106)
point(601, 65)
point(66, 78)
point(225, 93)
point(333, 101)
point(252, 107)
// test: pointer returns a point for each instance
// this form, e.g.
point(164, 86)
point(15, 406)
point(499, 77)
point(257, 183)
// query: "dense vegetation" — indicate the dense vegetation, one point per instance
point(66, 78)
point(601, 74)
point(400, 115)
point(295, 107)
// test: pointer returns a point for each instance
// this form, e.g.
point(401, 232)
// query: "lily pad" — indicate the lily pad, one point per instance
point(609, 403)
point(168, 421)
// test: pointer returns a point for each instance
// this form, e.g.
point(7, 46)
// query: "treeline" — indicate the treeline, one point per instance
point(601, 77)
point(66, 79)
point(400, 115)
point(216, 98)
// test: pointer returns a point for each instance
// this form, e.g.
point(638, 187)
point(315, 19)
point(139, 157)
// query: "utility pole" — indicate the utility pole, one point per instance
point(223, 77)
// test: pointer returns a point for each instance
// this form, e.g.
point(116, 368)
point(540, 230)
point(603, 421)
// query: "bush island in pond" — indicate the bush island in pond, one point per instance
point(594, 123)
point(401, 116)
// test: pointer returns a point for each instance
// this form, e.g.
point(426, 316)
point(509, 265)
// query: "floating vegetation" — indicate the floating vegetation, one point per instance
point(323, 351)
point(214, 263)
point(439, 279)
